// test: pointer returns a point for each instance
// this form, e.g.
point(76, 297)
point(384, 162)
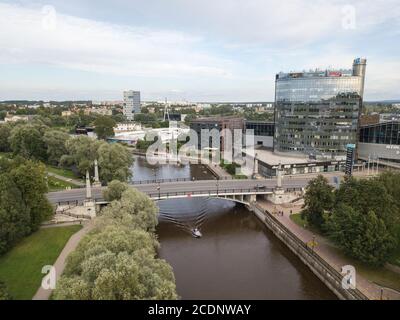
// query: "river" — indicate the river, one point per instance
point(237, 256)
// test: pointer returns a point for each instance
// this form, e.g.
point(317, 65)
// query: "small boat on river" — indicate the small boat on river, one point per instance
point(196, 233)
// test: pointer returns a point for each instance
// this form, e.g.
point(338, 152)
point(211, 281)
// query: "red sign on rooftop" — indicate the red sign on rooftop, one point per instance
point(334, 74)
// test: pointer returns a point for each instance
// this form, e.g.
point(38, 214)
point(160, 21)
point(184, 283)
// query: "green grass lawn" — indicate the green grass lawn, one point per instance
point(56, 184)
point(297, 219)
point(21, 267)
point(63, 172)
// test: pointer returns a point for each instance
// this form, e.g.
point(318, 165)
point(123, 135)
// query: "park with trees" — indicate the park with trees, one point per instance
point(52, 146)
point(118, 260)
point(361, 216)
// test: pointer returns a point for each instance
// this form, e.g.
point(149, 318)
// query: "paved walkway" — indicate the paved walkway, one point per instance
point(326, 251)
point(70, 180)
point(44, 294)
point(218, 171)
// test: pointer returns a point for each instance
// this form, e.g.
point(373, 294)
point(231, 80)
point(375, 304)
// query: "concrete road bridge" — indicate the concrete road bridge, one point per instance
point(243, 191)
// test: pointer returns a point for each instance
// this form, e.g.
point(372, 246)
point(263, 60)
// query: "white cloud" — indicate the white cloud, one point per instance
point(225, 49)
point(33, 36)
point(288, 23)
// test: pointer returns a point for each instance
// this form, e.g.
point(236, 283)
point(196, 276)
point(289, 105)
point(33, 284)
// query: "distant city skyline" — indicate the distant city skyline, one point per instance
point(196, 51)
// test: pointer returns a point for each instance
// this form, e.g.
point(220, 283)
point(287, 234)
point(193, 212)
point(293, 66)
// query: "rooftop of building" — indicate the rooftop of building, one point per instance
point(321, 73)
point(260, 121)
point(217, 119)
point(268, 156)
point(274, 159)
point(381, 123)
point(328, 73)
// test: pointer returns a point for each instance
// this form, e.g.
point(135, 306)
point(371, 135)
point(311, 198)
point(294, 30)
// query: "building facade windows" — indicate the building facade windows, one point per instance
point(316, 113)
point(131, 104)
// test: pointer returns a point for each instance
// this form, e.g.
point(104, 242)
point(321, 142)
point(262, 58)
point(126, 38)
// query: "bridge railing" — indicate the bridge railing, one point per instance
point(154, 181)
point(329, 269)
point(69, 203)
point(232, 191)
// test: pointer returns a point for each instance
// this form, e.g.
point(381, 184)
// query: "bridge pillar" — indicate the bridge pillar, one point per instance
point(253, 198)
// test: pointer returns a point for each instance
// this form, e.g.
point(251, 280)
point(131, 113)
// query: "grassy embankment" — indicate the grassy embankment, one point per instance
point(56, 184)
point(21, 267)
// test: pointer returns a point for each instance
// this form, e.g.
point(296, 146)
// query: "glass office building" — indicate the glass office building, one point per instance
point(380, 141)
point(317, 112)
point(381, 133)
point(263, 132)
point(261, 128)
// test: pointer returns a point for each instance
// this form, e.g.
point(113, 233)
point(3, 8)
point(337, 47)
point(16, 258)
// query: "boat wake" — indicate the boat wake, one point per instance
point(189, 214)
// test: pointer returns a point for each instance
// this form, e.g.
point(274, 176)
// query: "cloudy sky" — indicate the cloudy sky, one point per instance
point(197, 50)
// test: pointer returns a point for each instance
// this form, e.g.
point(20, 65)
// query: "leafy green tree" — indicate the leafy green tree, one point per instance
point(368, 195)
point(27, 141)
point(106, 238)
point(142, 209)
point(82, 151)
point(133, 277)
point(5, 132)
point(4, 294)
point(114, 190)
point(143, 145)
point(116, 262)
point(121, 276)
point(55, 141)
point(114, 162)
point(318, 200)
point(146, 118)
point(14, 215)
point(23, 204)
point(363, 236)
point(30, 178)
point(118, 117)
point(391, 182)
point(72, 288)
point(3, 114)
point(104, 127)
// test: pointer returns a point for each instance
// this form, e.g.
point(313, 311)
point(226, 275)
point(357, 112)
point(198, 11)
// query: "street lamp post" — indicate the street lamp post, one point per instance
point(369, 159)
point(155, 174)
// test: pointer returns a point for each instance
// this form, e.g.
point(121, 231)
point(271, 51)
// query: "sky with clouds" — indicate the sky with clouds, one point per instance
point(197, 50)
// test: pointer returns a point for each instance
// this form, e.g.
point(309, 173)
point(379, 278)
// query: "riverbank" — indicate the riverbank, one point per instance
point(215, 169)
point(328, 253)
point(237, 257)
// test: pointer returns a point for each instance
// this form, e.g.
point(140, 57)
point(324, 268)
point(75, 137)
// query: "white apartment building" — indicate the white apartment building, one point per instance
point(126, 127)
point(131, 103)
